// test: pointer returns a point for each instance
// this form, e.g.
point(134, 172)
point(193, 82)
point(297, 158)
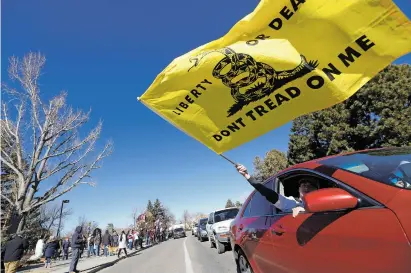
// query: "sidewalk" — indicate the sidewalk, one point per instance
point(89, 265)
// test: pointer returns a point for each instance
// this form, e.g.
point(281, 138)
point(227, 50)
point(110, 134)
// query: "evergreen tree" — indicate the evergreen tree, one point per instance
point(273, 162)
point(229, 204)
point(378, 115)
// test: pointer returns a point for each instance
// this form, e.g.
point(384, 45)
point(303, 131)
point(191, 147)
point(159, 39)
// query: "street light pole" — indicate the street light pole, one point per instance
point(61, 213)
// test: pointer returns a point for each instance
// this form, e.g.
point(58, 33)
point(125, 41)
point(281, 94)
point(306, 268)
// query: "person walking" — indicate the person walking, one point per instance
point(77, 242)
point(97, 241)
point(50, 250)
point(12, 253)
point(115, 239)
point(130, 240)
point(141, 237)
point(135, 238)
point(147, 237)
point(66, 246)
point(90, 245)
point(106, 242)
point(122, 245)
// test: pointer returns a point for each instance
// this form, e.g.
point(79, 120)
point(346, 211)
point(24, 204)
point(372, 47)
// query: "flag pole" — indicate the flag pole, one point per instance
point(229, 160)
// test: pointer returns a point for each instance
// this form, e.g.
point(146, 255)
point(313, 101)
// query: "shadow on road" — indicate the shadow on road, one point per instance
point(105, 265)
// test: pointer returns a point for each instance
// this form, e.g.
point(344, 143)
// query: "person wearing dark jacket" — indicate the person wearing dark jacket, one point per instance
point(12, 253)
point(106, 242)
point(66, 246)
point(51, 247)
point(97, 241)
point(77, 243)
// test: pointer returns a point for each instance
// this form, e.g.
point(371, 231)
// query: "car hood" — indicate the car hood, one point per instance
point(225, 223)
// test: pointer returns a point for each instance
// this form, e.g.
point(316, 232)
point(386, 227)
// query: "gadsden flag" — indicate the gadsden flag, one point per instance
point(286, 59)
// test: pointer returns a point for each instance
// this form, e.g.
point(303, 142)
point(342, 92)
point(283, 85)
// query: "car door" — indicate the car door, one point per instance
point(367, 239)
point(256, 239)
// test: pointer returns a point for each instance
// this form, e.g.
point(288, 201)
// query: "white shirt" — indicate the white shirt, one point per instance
point(287, 203)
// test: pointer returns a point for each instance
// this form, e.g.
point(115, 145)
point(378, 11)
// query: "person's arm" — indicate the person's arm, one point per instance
point(279, 201)
point(268, 193)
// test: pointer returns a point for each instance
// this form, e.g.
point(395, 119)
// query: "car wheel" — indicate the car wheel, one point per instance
point(211, 242)
point(243, 265)
point(220, 247)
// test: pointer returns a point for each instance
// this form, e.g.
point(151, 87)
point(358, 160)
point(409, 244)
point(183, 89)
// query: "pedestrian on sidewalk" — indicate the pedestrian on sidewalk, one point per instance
point(50, 250)
point(141, 237)
point(12, 253)
point(147, 237)
point(106, 242)
point(122, 244)
point(136, 241)
point(66, 246)
point(77, 242)
point(90, 245)
point(115, 239)
point(97, 241)
point(130, 240)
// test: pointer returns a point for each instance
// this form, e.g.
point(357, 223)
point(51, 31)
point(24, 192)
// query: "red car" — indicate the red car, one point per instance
point(359, 221)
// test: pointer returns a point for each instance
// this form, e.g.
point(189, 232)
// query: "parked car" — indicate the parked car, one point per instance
point(361, 213)
point(218, 226)
point(201, 230)
point(179, 233)
point(194, 229)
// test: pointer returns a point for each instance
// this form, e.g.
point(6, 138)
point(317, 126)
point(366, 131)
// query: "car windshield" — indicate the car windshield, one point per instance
point(179, 229)
point(223, 215)
point(390, 166)
point(203, 222)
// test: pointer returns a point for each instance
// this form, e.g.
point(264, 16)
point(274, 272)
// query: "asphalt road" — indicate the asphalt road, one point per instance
point(185, 255)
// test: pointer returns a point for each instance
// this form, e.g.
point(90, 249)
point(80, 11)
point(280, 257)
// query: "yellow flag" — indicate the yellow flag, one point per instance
point(286, 59)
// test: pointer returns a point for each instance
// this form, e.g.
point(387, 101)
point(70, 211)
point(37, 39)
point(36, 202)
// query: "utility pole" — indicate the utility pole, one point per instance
point(61, 213)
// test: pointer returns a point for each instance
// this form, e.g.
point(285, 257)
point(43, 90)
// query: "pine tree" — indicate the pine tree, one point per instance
point(378, 115)
point(229, 204)
point(273, 162)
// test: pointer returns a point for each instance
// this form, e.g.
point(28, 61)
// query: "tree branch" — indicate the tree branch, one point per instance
point(7, 199)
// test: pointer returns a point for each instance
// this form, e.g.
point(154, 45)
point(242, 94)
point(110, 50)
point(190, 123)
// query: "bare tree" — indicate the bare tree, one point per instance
point(186, 218)
point(44, 137)
point(87, 225)
point(170, 218)
point(134, 216)
point(50, 215)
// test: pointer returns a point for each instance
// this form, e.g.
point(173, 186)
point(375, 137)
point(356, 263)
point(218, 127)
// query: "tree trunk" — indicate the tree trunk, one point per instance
point(22, 223)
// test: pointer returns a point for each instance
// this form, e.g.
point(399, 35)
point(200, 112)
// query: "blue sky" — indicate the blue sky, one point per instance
point(105, 54)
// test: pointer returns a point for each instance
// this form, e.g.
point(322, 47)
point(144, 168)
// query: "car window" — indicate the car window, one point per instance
point(247, 209)
point(288, 185)
point(258, 205)
point(389, 166)
point(179, 229)
point(225, 215)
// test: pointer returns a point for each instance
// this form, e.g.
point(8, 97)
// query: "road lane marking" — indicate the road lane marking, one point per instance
point(189, 266)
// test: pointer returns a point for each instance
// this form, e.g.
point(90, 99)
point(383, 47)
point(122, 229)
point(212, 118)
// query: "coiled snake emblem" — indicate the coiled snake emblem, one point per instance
point(250, 80)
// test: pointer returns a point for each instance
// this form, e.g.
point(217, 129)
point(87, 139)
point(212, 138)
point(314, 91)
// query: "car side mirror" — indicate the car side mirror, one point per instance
point(329, 199)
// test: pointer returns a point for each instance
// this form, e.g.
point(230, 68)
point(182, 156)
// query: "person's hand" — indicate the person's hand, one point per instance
point(297, 210)
point(243, 171)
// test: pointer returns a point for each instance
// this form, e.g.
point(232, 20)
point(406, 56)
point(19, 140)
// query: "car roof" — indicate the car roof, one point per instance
point(315, 163)
point(225, 209)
